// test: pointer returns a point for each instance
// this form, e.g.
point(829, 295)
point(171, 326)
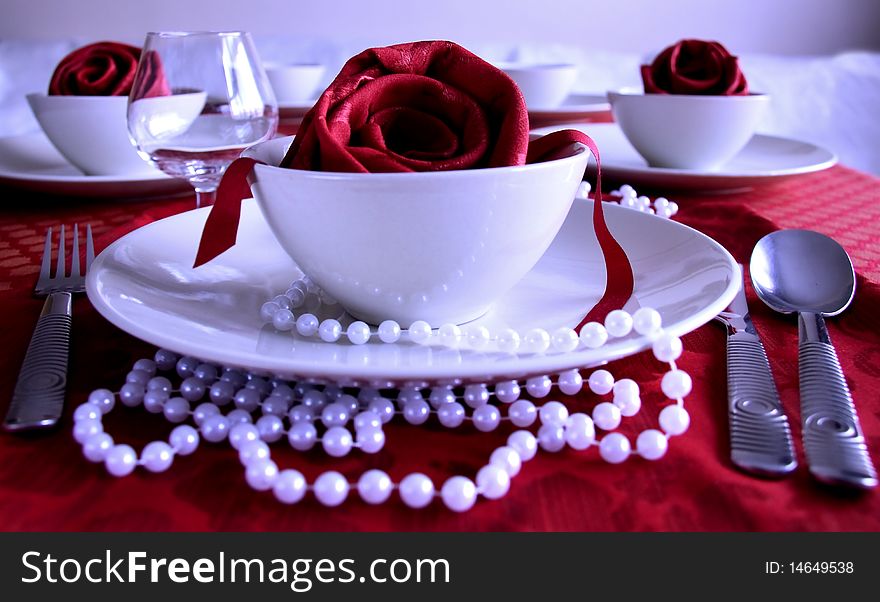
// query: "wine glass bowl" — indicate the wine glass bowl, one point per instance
point(199, 99)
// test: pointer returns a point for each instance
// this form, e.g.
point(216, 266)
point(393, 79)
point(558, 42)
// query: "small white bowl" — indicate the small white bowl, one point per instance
point(544, 86)
point(436, 246)
point(294, 83)
point(687, 131)
point(91, 132)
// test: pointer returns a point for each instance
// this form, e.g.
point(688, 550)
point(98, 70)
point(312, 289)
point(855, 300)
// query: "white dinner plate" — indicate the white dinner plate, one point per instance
point(577, 107)
point(144, 284)
point(30, 162)
point(764, 159)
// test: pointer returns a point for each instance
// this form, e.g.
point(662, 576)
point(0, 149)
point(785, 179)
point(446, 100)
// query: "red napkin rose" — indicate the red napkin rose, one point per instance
point(106, 69)
point(695, 67)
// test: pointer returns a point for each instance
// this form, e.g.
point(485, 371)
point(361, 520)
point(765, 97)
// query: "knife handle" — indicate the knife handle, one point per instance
point(833, 440)
point(760, 436)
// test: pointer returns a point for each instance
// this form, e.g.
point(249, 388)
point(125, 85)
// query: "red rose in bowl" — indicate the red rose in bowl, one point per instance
point(695, 67)
point(106, 69)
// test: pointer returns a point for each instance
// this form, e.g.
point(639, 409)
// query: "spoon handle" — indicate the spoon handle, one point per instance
point(833, 440)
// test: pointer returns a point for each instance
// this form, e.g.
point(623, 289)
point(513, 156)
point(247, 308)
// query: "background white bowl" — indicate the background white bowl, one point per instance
point(294, 83)
point(91, 132)
point(435, 246)
point(544, 86)
point(687, 131)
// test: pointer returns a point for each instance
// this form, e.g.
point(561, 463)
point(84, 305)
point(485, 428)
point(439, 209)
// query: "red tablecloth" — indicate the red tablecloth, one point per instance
point(46, 484)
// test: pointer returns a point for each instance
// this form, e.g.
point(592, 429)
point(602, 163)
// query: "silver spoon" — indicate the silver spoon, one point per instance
point(804, 272)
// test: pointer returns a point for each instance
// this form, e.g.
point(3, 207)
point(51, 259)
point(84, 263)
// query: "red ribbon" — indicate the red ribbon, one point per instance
point(221, 227)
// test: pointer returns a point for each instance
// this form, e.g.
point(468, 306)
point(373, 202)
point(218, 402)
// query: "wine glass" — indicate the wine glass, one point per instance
point(197, 100)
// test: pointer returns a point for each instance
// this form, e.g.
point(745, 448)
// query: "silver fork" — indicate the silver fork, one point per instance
point(38, 399)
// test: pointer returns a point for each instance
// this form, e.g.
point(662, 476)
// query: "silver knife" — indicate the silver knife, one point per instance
point(760, 436)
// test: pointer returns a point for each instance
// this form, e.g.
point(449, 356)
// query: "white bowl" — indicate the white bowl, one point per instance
point(91, 132)
point(544, 86)
point(435, 246)
point(687, 131)
point(294, 83)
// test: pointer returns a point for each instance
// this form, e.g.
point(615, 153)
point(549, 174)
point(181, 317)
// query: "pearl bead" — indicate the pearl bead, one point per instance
point(138, 377)
point(242, 433)
point(451, 415)
point(154, 401)
point(367, 420)
point(672, 208)
point(626, 397)
point(238, 416)
point(331, 488)
point(186, 366)
point(374, 486)
point(524, 443)
point(606, 416)
point(440, 396)
point(96, 447)
point(522, 413)
point(283, 320)
point(371, 441)
point(176, 410)
point(570, 382)
point(83, 429)
point(234, 377)
point(601, 382)
point(459, 494)
point(104, 399)
point(302, 436)
point(214, 428)
point(628, 406)
point(618, 323)
point(147, 365)
point(580, 433)
point(334, 414)
point(416, 490)
point(165, 360)
point(337, 441)
point(476, 395)
point(408, 394)
point(537, 340)
point(627, 191)
point(282, 301)
point(307, 325)
point(486, 418)
point(120, 460)
point(389, 331)
point(261, 474)
point(299, 413)
point(676, 384)
point(383, 408)
point(203, 411)
point(314, 399)
point(583, 191)
point(539, 386)
point(614, 448)
point(507, 391)
point(159, 383)
point(275, 406)
point(131, 394)
point(493, 482)
point(290, 486)
point(506, 458)
point(551, 438)
point(247, 399)
point(652, 444)
point(674, 420)
point(330, 330)
point(271, 428)
point(449, 335)
point(593, 335)
point(420, 332)
point(553, 413)
point(284, 392)
point(564, 339)
point(358, 333)
point(184, 439)
point(647, 321)
point(661, 202)
point(192, 389)
point(332, 392)
point(157, 456)
point(416, 411)
point(508, 340)
point(221, 392)
point(87, 411)
point(296, 296)
point(667, 348)
point(478, 337)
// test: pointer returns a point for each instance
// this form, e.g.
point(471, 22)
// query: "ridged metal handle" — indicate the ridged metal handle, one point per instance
point(38, 399)
point(833, 439)
point(760, 436)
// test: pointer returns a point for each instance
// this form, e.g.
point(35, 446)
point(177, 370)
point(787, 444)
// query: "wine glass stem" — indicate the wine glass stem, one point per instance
point(205, 196)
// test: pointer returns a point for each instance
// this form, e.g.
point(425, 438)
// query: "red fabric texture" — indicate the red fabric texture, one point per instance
point(695, 67)
point(46, 484)
point(100, 69)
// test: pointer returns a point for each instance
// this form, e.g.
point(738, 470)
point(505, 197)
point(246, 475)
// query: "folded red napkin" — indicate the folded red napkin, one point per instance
point(421, 106)
point(695, 67)
point(107, 69)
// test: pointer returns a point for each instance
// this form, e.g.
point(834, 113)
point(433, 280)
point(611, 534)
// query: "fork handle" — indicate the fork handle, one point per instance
point(38, 399)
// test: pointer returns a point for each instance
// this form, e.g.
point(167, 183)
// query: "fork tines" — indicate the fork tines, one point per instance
point(73, 281)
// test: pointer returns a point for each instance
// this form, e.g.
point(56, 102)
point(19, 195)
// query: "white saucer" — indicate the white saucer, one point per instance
point(764, 159)
point(30, 162)
point(144, 284)
point(577, 107)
